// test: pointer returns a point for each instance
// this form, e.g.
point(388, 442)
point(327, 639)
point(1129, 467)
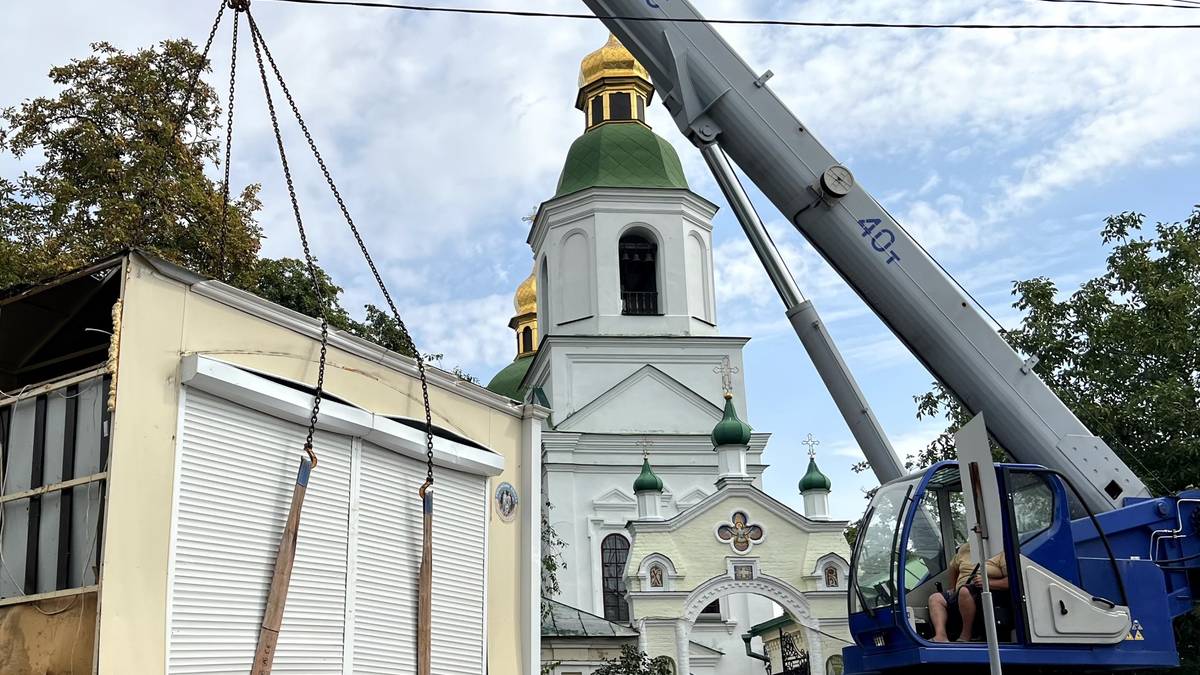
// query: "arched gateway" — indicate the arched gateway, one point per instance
point(735, 543)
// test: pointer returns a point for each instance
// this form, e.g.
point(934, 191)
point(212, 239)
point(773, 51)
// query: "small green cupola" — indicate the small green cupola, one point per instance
point(731, 430)
point(647, 481)
point(814, 480)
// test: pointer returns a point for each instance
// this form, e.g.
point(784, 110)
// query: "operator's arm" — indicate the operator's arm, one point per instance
point(997, 571)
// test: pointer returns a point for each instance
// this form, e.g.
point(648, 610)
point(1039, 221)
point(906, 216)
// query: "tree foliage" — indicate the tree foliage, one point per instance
point(1123, 352)
point(123, 166)
point(634, 662)
point(114, 173)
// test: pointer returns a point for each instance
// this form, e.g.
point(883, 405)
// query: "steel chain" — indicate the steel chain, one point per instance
point(228, 146)
point(410, 343)
point(312, 267)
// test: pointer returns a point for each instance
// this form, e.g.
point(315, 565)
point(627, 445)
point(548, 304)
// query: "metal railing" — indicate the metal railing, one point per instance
point(639, 303)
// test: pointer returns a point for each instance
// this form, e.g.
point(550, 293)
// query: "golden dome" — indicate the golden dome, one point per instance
point(525, 301)
point(611, 60)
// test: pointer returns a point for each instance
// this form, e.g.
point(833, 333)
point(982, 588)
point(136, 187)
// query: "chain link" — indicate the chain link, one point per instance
point(408, 340)
point(256, 39)
point(228, 146)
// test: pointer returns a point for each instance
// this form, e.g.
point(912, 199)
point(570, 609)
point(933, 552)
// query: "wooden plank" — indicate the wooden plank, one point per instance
point(66, 593)
point(56, 487)
point(425, 589)
point(268, 636)
point(47, 387)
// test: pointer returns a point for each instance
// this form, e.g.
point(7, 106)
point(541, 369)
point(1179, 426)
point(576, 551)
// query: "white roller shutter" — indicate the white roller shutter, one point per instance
point(389, 555)
point(236, 475)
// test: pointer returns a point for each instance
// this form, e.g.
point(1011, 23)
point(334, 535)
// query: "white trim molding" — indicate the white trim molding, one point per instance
point(258, 393)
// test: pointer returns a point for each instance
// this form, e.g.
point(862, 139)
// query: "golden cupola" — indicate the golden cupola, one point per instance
point(525, 321)
point(613, 86)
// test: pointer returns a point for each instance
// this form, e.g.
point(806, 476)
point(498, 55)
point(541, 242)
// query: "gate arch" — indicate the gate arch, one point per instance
point(743, 576)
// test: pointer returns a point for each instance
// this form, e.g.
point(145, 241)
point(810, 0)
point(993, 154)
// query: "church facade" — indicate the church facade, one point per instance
point(617, 334)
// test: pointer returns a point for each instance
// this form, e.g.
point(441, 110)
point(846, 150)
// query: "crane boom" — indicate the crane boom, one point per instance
point(715, 97)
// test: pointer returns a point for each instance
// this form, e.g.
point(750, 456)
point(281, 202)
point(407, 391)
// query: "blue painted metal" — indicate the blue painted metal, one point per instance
point(1154, 578)
point(304, 473)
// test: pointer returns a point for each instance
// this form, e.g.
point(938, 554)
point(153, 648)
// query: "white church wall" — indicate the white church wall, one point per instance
point(603, 216)
point(575, 371)
point(589, 479)
point(699, 277)
point(576, 299)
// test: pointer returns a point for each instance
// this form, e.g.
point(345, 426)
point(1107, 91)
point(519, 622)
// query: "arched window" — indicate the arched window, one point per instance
point(543, 302)
point(834, 666)
point(614, 551)
point(620, 106)
point(527, 340)
point(639, 275)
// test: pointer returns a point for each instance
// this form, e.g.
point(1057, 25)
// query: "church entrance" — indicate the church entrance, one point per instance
point(793, 651)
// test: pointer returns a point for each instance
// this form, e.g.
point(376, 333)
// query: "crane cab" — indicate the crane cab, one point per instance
point(1066, 599)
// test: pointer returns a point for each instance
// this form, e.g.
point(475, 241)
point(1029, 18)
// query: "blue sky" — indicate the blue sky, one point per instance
point(1001, 151)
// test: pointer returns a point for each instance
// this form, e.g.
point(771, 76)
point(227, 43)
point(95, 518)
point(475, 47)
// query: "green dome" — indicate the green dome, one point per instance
point(619, 155)
point(508, 381)
point(731, 430)
point(814, 479)
point(648, 481)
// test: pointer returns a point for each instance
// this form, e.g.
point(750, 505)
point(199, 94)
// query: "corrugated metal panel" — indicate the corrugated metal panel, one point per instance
point(389, 555)
point(85, 505)
point(237, 473)
point(15, 518)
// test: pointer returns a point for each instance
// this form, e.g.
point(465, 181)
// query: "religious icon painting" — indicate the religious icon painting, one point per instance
point(831, 577)
point(656, 576)
point(506, 502)
point(740, 534)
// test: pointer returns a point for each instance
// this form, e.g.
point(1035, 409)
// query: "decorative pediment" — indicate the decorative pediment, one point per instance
point(647, 402)
point(614, 499)
point(691, 499)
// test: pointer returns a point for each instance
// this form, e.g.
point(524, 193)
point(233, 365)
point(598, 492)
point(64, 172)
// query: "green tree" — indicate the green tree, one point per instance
point(287, 282)
point(1123, 352)
point(118, 173)
point(114, 173)
point(634, 662)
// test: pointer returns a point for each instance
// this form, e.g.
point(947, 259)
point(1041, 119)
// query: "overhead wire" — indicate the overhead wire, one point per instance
point(1129, 3)
point(481, 11)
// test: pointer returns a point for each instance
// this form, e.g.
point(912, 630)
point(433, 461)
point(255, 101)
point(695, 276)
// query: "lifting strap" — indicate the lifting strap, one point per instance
point(281, 577)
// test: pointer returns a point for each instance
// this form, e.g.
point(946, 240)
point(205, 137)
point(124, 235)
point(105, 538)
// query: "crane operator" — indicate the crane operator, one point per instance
point(962, 603)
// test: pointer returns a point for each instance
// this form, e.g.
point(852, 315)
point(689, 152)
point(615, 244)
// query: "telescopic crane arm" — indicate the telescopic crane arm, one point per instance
point(715, 98)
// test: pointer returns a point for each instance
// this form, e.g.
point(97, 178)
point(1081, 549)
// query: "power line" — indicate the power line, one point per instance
point(1124, 3)
point(736, 22)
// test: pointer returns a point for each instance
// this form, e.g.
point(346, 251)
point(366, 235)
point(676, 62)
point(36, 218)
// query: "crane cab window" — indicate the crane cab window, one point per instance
point(926, 550)
point(872, 583)
point(1033, 504)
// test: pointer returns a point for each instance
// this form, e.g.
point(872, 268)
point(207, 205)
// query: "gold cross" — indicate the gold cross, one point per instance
point(645, 444)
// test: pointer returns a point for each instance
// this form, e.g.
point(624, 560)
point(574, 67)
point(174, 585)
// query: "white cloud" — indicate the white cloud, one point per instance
point(464, 332)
